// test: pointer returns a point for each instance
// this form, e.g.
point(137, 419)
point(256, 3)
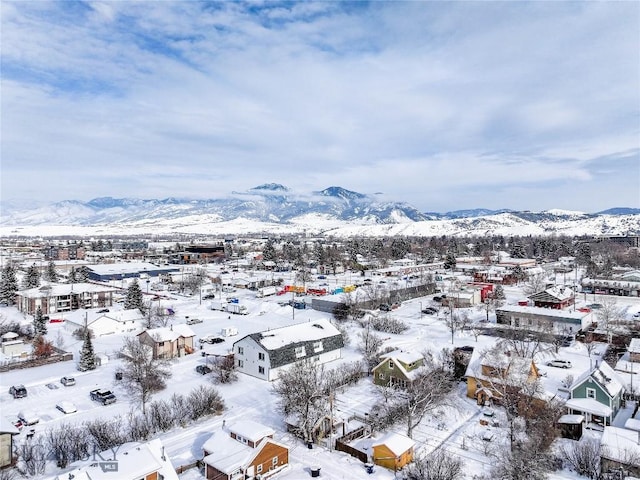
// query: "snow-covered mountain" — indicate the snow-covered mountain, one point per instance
point(276, 209)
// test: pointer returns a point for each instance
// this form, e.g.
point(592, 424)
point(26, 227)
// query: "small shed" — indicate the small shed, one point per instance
point(392, 451)
point(571, 426)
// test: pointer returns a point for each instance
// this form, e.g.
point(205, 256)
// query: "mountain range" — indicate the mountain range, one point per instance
point(274, 207)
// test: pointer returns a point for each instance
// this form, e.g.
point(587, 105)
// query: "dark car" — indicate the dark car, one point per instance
point(430, 311)
point(203, 369)
point(384, 307)
point(104, 310)
point(18, 391)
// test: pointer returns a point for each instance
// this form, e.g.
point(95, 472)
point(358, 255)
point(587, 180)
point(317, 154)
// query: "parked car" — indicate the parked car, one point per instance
point(18, 391)
point(203, 369)
point(52, 386)
point(28, 417)
point(68, 381)
point(66, 407)
point(103, 396)
point(193, 321)
point(385, 307)
point(103, 310)
point(559, 363)
point(211, 339)
point(430, 311)
point(56, 320)
point(15, 421)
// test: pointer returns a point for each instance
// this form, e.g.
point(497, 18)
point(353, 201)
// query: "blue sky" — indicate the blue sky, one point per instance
point(444, 105)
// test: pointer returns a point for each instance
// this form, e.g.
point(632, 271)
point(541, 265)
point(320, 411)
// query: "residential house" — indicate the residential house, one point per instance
point(597, 395)
point(265, 354)
point(558, 297)
point(392, 451)
point(131, 461)
point(246, 450)
point(169, 342)
point(492, 374)
point(122, 321)
point(620, 451)
point(7, 431)
point(634, 350)
point(551, 320)
point(64, 297)
point(397, 368)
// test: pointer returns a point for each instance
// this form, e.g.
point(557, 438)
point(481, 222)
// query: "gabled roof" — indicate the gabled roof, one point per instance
point(620, 445)
point(281, 343)
point(634, 346)
point(604, 376)
point(228, 455)
point(59, 289)
point(553, 294)
point(398, 444)
point(251, 430)
point(402, 356)
point(170, 334)
point(134, 461)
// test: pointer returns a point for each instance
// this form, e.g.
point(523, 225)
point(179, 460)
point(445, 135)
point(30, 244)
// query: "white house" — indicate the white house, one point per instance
point(265, 354)
point(109, 323)
point(131, 461)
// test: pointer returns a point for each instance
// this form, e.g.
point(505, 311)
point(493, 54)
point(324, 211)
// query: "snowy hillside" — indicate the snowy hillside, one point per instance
point(275, 209)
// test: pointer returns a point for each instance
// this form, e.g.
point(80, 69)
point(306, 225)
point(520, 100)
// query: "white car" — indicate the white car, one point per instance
point(66, 407)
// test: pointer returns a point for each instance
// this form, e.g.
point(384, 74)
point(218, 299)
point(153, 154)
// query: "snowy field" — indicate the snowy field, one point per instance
point(457, 430)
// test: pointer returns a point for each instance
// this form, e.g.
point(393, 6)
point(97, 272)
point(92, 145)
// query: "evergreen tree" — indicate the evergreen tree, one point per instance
point(39, 323)
point(32, 277)
point(450, 261)
point(51, 275)
point(134, 297)
point(83, 274)
point(87, 355)
point(269, 252)
point(73, 275)
point(8, 285)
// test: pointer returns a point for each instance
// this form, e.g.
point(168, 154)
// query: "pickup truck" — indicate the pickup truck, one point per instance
point(103, 396)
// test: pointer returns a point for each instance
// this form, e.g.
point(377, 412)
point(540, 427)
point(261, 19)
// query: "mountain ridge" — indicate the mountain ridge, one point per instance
point(334, 207)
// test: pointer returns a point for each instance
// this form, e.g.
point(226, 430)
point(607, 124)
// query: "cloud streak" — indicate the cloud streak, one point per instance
point(444, 105)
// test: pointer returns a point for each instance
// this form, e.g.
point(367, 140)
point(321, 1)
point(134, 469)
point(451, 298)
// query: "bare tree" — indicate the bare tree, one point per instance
point(430, 389)
point(303, 397)
point(33, 460)
point(524, 463)
point(369, 346)
point(224, 369)
point(438, 465)
point(609, 315)
point(142, 374)
point(535, 283)
point(583, 457)
point(106, 434)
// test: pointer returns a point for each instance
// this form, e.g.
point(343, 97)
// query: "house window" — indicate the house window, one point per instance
point(381, 375)
point(240, 363)
point(390, 363)
point(240, 351)
point(591, 393)
point(317, 347)
point(274, 462)
point(161, 344)
point(261, 370)
point(259, 468)
point(260, 356)
point(300, 352)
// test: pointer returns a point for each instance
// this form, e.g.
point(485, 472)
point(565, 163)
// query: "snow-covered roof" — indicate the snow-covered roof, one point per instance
point(571, 419)
point(251, 430)
point(228, 455)
point(134, 461)
point(300, 332)
point(632, 424)
point(169, 334)
point(59, 289)
point(557, 293)
point(395, 442)
point(7, 427)
point(547, 312)
point(403, 356)
point(621, 445)
point(128, 267)
point(634, 345)
point(604, 376)
point(589, 405)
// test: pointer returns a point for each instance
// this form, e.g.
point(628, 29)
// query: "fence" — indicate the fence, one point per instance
point(36, 362)
point(189, 466)
point(342, 443)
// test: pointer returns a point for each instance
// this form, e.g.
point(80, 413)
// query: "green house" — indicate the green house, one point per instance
point(597, 395)
point(396, 368)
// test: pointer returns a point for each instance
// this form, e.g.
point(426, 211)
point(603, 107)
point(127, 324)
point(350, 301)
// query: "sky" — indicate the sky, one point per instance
point(443, 105)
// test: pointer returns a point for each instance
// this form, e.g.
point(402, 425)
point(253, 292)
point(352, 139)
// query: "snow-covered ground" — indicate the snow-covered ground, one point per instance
point(457, 430)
